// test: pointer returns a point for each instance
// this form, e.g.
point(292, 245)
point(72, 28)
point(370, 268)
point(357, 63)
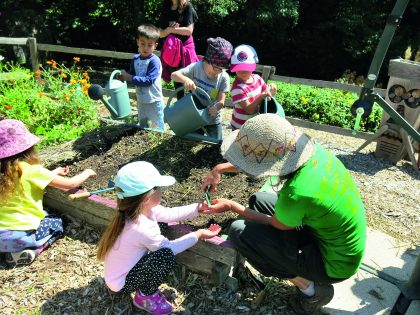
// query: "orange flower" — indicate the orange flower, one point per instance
point(67, 97)
point(42, 82)
point(63, 75)
point(49, 62)
point(86, 75)
point(40, 94)
point(86, 93)
point(8, 106)
point(76, 59)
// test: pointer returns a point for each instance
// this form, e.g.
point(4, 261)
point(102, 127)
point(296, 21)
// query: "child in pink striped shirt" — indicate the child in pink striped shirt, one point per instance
point(249, 89)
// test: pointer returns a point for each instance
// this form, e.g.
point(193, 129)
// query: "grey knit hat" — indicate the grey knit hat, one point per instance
point(267, 145)
point(219, 51)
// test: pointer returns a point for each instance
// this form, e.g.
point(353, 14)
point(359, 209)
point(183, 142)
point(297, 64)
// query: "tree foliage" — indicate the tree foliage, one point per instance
point(314, 39)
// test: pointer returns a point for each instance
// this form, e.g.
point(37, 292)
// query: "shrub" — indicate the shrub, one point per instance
point(53, 102)
point(324, 106)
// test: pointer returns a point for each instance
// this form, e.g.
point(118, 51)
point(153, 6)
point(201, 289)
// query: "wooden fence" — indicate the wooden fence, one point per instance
point(267, 72)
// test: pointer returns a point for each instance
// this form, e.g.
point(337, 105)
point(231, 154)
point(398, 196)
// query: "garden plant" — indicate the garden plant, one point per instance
point(52, 102)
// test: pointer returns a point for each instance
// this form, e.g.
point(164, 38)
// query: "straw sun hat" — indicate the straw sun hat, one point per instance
point(267, 145)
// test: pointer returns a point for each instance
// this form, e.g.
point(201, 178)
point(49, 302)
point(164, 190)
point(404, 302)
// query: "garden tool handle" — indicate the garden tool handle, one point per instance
point(113, 74)
point(84, 194)
point(182, 88)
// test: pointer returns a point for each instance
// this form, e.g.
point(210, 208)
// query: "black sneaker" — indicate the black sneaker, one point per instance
point(313, 305)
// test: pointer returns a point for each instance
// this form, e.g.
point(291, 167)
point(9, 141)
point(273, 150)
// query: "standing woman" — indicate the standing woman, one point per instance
point(177, 24)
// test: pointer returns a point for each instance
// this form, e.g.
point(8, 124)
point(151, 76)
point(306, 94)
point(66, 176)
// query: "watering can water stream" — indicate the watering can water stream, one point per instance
point(117, 100)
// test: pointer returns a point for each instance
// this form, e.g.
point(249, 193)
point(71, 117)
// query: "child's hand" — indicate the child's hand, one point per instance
point(190, 85)
point(203, 234)
point(62, 171)
point(266, 94)
point(124, 76)
point(89, 173)
point(273, 88)
point(213, 110)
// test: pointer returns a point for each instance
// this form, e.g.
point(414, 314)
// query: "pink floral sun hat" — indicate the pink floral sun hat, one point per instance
point(15, 138)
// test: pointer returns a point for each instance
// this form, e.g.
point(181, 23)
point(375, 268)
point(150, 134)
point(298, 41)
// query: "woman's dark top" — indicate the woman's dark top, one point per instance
point(187, 17)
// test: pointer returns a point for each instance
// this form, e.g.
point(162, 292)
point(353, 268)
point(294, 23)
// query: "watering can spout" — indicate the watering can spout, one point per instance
point(96, 92)
point(111, 109)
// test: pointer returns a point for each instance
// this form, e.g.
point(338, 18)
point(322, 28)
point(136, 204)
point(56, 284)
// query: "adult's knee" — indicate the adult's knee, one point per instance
point(235, 231)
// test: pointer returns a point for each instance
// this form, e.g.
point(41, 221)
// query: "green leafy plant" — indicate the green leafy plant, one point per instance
point(53, 102)
point(324, 106)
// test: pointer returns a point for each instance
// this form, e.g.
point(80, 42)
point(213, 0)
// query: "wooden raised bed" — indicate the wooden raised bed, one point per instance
point(213, 258)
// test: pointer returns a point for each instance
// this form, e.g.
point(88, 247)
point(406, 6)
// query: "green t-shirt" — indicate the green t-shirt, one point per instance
point(324, 196)
point(23, 209)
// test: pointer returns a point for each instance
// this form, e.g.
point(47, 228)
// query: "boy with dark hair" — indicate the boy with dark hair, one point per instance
point(145, 73)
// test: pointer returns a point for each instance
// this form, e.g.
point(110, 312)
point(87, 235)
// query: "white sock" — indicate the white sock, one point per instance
point(310, 290)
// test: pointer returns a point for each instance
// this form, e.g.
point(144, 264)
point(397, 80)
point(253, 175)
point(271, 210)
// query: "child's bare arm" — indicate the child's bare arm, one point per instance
point(72, 182)
point(220, 102)
point(189, 84)
point(252, 108)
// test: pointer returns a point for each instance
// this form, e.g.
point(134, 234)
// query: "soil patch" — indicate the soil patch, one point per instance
point(67, 279)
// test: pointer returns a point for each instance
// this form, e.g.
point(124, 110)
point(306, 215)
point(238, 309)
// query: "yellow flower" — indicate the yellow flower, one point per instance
point(67, 97)
point(86, 75)
point(86, 93)
point(304, 100)
point(73, 81)
point(83, 81)
point(63, 75)
point(76, 59)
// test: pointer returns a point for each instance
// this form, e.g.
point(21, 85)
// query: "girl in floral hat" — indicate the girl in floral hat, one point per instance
point(25, 228)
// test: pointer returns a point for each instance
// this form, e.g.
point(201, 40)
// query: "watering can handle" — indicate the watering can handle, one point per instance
point(113, 74)
point(181, 88)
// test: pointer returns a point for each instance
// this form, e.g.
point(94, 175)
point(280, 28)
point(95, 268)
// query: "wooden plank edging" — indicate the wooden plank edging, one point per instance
point(98, 211)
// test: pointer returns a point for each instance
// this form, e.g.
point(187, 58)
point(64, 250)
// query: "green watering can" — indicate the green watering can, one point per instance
point(117, 100)
point(188, 113)
point(272, 106)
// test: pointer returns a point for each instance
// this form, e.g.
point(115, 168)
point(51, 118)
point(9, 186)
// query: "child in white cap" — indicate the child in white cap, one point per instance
point(137, 256)
point(248, 89)
point(25, 228)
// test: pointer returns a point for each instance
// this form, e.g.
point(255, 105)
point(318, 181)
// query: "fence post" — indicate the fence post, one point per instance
point(267, 72)
point(33, 50)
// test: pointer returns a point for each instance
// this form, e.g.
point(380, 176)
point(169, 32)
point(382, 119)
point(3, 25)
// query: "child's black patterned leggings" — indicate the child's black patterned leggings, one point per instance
point(150, 272)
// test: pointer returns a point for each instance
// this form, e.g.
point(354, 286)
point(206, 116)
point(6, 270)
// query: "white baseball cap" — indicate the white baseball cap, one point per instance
point(139, 177)
point(244, 58)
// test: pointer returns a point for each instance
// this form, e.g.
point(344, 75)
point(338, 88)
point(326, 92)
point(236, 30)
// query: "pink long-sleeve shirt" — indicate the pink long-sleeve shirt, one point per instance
point(143, 235)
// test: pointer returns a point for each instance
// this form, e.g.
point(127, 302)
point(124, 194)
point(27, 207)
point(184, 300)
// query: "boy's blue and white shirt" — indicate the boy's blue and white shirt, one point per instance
point(147, 74)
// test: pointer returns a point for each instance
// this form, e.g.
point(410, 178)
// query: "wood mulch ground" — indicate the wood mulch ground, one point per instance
point(67, 279)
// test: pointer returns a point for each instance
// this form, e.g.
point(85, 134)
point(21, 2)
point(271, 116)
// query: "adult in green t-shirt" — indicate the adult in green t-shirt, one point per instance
point(313, 230)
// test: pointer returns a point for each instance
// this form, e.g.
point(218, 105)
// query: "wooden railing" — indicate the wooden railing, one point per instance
point(268, 72)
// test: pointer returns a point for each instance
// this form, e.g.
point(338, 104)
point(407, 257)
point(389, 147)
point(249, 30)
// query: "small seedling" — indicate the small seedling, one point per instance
point(208, 195)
